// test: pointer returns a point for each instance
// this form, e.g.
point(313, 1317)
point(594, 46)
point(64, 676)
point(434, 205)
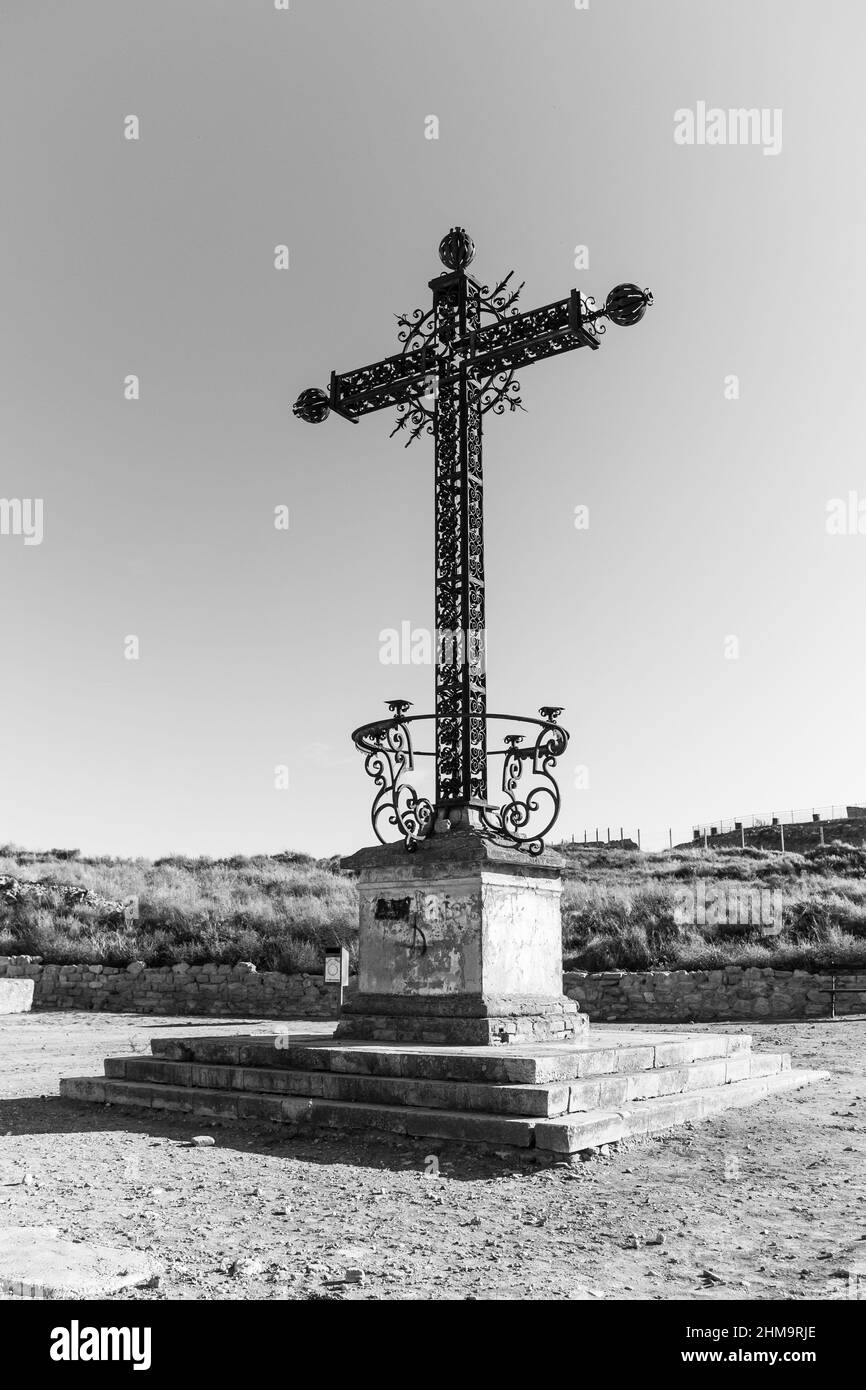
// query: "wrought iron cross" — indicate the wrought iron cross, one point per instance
point(458, 361)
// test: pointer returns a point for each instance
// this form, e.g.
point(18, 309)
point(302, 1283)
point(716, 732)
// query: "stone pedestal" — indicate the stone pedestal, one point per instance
point(460, 943)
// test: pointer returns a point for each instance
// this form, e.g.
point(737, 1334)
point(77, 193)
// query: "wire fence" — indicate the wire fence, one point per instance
point(606, 837)
point(620, 837)
point(770, 818)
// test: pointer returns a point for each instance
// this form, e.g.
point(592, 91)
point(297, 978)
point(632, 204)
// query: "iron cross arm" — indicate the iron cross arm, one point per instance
point(393, 381)
point(507, 345)
point(521, 339)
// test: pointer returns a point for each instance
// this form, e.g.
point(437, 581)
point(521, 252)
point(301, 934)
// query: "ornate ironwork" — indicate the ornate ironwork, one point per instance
point(626, 305)
point(417, 414)
point(460, 678)
point(457, 249)
point(312, 406)
point(387, 746)
point(458, 362)
point(531, 796)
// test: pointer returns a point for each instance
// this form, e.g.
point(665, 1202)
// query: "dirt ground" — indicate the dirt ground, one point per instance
point(763, 1203)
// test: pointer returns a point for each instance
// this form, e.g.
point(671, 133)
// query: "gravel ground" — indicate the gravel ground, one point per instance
point(764, 1203)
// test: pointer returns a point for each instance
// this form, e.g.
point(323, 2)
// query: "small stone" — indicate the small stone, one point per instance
point(245, 1268)
point(202, 1141)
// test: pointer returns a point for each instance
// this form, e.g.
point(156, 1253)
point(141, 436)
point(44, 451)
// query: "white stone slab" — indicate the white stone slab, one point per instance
point(16, 996)
point(36, 1263)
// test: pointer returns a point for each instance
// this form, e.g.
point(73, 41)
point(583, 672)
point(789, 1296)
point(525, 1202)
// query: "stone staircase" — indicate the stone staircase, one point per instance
point(552, 1097)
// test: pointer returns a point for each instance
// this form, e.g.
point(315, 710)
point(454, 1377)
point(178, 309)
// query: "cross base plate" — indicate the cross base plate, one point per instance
point(461, 1020)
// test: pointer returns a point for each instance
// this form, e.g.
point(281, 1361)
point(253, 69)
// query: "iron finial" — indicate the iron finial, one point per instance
point(457, 249)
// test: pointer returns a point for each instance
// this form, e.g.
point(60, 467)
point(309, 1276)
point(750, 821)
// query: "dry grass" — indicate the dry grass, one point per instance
point(619, 909)
point(280, 912)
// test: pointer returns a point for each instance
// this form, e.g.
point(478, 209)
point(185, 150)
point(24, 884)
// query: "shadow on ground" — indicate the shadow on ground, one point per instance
point(51, 1115)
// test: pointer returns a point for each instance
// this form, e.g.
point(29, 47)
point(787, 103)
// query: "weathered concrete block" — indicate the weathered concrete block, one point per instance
point(16, 995)
point(460, 919)
point(36, 1264)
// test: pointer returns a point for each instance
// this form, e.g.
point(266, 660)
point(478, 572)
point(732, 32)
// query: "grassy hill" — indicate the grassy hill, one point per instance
point(278, 912)
point(281, 911)
point(619, 908)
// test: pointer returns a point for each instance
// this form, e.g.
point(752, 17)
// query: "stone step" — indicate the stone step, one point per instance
point(572, 1133)
point(612, 1092)
point(595, 1054)
point(563, 1135)
point(495, 1098)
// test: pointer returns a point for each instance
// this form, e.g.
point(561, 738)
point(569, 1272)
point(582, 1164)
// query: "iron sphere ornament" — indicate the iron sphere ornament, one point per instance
point(457, 249)
point(627, 304)
point(312, 406)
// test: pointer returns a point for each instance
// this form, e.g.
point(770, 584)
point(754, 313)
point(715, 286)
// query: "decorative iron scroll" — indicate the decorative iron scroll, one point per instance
point(387, 744)
point(531, 796)
point(532, 793)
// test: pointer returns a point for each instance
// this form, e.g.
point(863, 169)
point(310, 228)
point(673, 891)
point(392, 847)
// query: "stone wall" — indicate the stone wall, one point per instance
point(708, 996)
point(230, 990)
point(652, 996)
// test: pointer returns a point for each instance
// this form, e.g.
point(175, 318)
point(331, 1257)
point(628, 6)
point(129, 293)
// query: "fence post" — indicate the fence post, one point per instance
point(833, 997)
point(782, 834)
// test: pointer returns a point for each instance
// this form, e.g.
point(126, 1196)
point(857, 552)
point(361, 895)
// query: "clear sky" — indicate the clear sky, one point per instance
point(260, 648)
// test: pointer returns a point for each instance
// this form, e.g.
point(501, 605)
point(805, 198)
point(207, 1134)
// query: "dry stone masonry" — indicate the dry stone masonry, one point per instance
point(653, 996)
point(223, 990)
point(711, 996)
